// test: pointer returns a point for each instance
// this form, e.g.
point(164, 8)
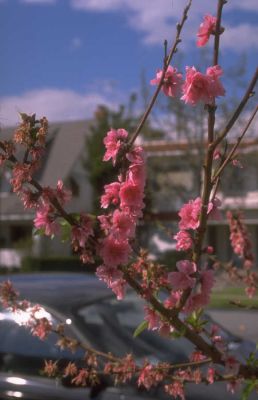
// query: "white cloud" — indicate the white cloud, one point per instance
point(55, 104)
point(97, 5)
point(153, 18)
point(240, 37)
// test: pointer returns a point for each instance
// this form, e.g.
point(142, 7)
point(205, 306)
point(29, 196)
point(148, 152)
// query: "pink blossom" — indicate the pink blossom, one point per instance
point(108, 274)
point(21, 173)
point(152, 317)
point(210, 375)
point(171, 83)
point(123, 224)
point(239, 237)
point(111, 195)
point(115, 251)
point(206, 28)
point(81, 379)
point(201, 298)
point(237, 163)
point(200, 87)
point(233, 386)
point(190, 213)
point(105, 222)
point(63, 194)
point(29, 199)
point(118, 286)
point(196, 375)
point(145, 378)
point(113, 142)
point(81, 232)
point(182, 280)
point(149, 376)
point(46, 221)
point(217, 155)
point(216, 88)
point(196, 87)
point(41, 328)
point(137, 175)
point(213, 209)
point(113, 279)
point(175, 389)
point(136, 156)
point(197, 356)
point(173, 299)
point(131, 197)
point(250, 291)
point(184, 241)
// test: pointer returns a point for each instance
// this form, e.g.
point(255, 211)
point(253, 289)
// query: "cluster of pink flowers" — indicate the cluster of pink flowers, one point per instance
point(150, 376)
point(122, 370)
point(202, 87)
point(46, 216)
point(189, 219)
point(113, 142)
point(126, 196)
point(197, 86)
point(201, 295)
point(81, 232)
point(186, 278)
point(183, 279)
point(240, 239)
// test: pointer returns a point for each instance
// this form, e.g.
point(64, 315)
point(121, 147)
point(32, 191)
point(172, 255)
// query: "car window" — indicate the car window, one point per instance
point(109, 326)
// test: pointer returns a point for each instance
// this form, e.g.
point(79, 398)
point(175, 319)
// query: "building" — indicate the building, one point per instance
point(174, 178)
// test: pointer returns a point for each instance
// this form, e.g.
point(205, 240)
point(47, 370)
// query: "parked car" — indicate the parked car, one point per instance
point(92, 315)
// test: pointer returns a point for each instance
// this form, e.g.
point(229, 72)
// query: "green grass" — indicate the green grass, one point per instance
point(222, 298)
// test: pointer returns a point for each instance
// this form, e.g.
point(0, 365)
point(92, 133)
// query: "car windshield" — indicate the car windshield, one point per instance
point(109, 326)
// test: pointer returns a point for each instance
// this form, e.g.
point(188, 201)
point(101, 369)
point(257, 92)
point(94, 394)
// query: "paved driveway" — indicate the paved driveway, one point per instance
point(240, 323)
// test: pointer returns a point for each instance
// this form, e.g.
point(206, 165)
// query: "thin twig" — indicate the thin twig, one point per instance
point(249, 93)
point(165, 67)
point(233, 150)
point(217, 32)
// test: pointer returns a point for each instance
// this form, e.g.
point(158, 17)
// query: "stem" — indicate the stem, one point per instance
point(217, 32)
point(207, 184)
point(165, 67)
point(173, 319)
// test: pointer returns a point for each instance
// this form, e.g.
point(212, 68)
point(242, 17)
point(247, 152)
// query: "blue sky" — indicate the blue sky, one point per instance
point(61, 58)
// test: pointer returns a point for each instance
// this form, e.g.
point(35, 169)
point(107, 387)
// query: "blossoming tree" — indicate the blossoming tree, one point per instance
point(174, 300)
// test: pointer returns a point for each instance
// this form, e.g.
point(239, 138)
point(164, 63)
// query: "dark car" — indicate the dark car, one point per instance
point(92, 315)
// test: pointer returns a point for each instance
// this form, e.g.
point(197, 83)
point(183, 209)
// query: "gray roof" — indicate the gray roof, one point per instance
point(69, 142)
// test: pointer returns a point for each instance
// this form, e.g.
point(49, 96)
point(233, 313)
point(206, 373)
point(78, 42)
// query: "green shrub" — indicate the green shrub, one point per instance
point(54, 263)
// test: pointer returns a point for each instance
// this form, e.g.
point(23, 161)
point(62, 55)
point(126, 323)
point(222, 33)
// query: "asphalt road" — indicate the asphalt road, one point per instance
point(241, 323)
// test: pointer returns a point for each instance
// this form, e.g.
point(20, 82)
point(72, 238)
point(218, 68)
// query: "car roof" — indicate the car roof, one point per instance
point(63, 291)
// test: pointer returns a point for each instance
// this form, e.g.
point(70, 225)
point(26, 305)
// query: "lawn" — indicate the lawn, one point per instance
point(222, 298)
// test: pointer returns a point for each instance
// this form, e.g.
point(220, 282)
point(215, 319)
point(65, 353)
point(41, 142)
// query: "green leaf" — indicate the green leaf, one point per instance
point(248, 390)
point(140, 328)
point(65, 232)
point(39, 231)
